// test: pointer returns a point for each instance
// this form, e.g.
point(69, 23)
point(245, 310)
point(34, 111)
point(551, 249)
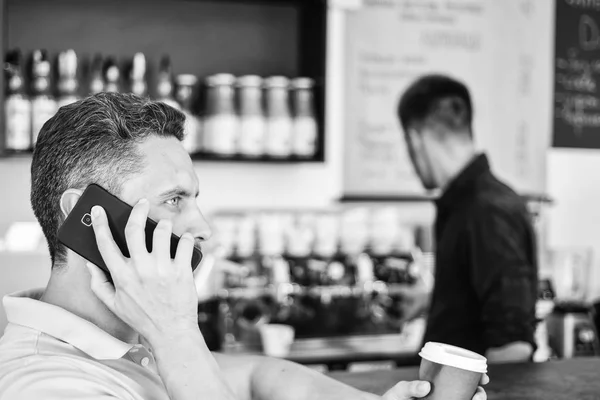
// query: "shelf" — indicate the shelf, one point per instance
point(203, 157)
point(349, 349)
point(202, 37)
point(400, 198)
point(295, 289)
point(420, 198)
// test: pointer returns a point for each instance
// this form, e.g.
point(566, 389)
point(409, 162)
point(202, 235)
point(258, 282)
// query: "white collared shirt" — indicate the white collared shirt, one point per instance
point(48, 353)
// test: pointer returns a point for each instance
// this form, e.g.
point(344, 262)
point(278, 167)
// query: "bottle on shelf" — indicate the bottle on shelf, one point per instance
point(68, 85)
point(17, 105)
point(221, 124)
point(137, 75)
point(43, 103)
point(251, 141)
point(164, 87)
point(112, 76)
point(278, 143)
point(186, 95)
point(97, 75)
point(304, 140)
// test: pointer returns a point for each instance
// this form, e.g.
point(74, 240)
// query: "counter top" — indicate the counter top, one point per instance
point(555, 380)
point(345, 350)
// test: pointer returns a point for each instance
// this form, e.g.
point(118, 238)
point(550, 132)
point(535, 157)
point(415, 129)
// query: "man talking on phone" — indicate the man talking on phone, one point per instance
point(134, 335)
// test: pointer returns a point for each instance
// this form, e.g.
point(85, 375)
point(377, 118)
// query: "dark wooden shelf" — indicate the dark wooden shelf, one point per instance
point(202, 157)
point(202, 37)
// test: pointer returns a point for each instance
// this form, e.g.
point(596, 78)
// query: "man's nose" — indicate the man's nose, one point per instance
point(200, 227)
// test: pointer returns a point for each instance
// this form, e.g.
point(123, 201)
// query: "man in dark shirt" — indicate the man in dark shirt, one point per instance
point(486, 266)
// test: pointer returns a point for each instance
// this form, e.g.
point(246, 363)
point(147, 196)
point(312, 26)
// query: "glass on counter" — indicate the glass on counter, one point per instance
point(43, 103)
point(221, 124)
point(17, 105)
point(164, 86)
point(68, 85)
point(304, 140)
point(252, 127)
point(278, 142)
point(186, 95)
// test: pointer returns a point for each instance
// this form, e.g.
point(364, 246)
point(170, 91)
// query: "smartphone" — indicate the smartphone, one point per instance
point(78, 235)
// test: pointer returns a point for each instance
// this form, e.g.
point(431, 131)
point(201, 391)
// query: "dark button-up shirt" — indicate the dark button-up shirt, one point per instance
point(486, 264)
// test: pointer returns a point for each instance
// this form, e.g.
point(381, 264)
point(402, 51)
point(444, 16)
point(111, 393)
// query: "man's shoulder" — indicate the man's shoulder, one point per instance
point(494, 197)
point(24, 349)
point(17, 342)
point(20, 341)
point(37, 366)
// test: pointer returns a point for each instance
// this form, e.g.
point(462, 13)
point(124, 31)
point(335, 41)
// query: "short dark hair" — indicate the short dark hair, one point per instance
point(438, 99)
point(92, 141)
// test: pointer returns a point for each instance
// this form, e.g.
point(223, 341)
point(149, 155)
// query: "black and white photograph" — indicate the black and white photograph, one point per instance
point(300, 199)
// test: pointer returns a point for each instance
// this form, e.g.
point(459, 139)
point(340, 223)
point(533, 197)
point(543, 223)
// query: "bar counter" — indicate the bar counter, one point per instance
point(554, 380)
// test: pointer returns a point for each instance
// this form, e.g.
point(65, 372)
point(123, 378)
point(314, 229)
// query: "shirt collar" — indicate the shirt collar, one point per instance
point(25, 309)
point(462, 185)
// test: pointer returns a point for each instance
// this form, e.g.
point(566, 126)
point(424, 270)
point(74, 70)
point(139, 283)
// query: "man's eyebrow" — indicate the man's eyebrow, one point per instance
point(179, 192)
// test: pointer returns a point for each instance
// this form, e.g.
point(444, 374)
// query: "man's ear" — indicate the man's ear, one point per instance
point(68, 200)
point(414, 138)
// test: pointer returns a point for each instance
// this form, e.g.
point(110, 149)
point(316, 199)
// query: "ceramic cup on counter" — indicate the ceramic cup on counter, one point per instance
point(454, 373)
point(276, 339)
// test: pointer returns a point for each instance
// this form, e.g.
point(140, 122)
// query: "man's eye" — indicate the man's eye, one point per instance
point(174, 201)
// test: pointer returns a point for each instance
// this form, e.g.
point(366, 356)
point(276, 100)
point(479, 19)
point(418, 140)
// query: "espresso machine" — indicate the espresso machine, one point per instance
point(571, 325)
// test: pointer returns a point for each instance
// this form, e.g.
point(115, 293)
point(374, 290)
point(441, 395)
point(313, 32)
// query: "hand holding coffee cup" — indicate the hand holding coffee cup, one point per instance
point(454, 373)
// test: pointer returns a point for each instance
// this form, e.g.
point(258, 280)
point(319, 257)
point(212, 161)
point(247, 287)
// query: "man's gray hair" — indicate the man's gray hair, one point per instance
point(93, 141)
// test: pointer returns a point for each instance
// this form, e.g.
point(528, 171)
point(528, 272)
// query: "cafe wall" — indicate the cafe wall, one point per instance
point(574, 218)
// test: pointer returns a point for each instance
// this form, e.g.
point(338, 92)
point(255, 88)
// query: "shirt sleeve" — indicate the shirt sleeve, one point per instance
point(503, 274)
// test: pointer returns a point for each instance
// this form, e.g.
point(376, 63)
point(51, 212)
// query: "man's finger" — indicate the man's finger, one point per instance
point(484, 380)
point(110, 252)
point(101, 286)
point(135, 230)
point(161, 242)
point(480, 394)
point(408, 390)
point(185, 249)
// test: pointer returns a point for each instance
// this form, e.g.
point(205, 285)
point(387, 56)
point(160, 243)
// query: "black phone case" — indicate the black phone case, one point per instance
point(78, 235)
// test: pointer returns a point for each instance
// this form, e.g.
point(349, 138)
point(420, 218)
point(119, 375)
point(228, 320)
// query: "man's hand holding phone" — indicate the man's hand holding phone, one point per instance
point(156, 296)
point(152, 293)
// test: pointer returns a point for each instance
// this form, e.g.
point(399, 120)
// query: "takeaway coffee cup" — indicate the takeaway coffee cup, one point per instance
point(454, 373)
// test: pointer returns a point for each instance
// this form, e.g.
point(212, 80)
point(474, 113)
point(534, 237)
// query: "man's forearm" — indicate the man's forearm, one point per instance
point(512, 352)
point(275, 379)
point(295, 382)
point(188, 369)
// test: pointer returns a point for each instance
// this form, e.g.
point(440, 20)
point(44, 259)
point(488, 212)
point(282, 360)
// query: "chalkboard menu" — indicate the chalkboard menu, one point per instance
point(501, 49)
point(576, 74)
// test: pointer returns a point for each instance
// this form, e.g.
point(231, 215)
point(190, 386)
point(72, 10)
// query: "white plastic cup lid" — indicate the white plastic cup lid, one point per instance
point(453, 356)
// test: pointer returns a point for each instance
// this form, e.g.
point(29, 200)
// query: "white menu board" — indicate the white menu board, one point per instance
point(502, 50)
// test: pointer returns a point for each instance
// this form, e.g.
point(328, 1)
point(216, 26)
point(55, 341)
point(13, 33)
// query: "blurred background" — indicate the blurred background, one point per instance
point(317, 213)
